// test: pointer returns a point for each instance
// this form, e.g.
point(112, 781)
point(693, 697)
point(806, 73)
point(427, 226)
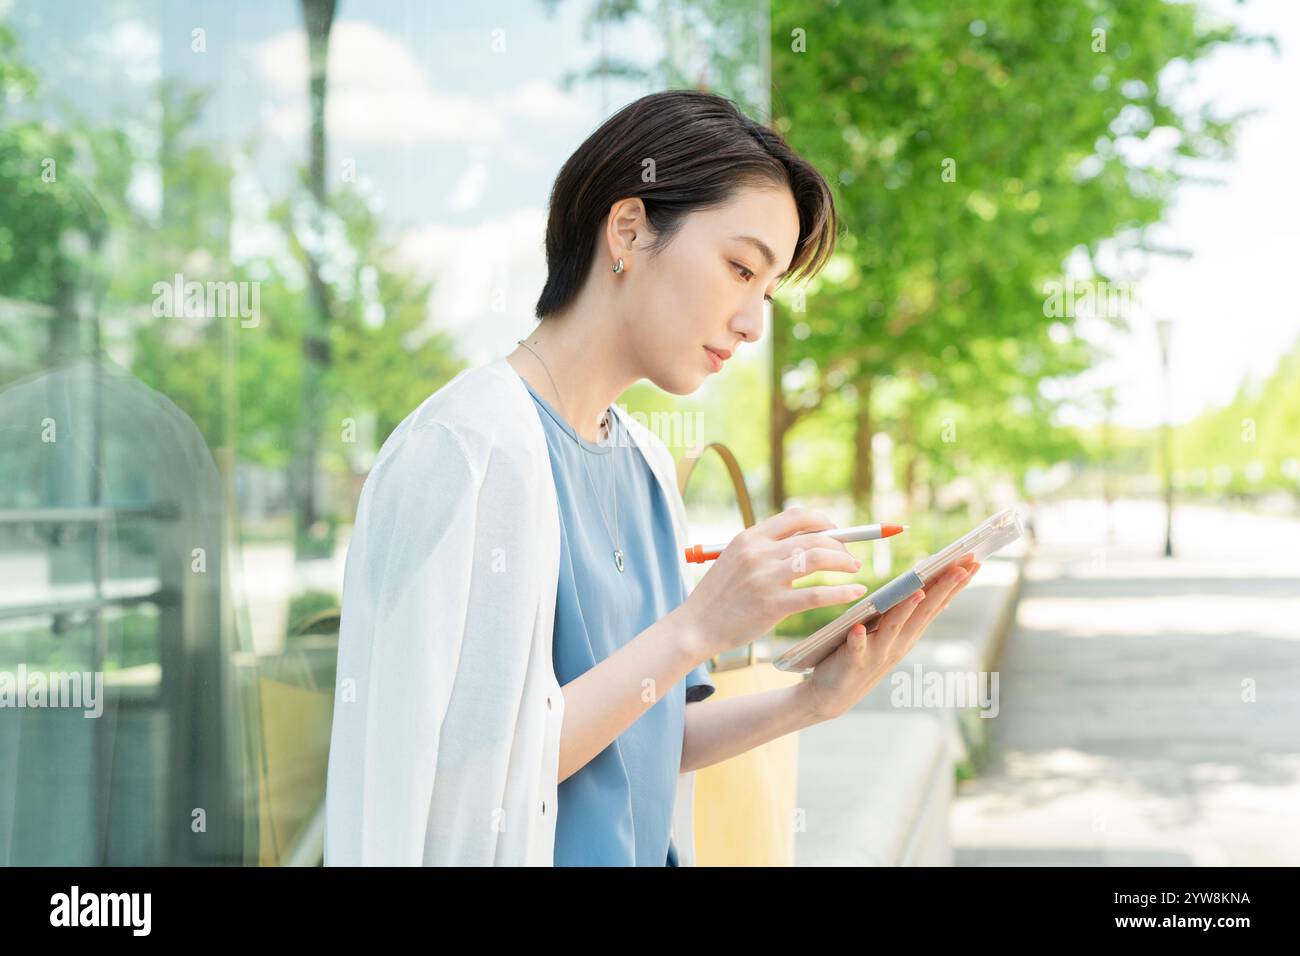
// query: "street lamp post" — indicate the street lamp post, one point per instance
point(1163, 329)
point(1107, 452)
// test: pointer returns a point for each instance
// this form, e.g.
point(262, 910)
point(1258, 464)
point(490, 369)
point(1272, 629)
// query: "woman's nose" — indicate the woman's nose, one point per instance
point(749, 324)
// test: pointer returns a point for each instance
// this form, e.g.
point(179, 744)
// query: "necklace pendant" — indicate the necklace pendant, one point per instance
point(618, 559)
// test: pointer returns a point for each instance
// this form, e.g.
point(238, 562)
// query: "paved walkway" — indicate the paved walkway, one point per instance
point(1123, 736)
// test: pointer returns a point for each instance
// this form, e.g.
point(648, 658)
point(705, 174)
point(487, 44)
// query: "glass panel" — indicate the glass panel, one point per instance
point(239, 242)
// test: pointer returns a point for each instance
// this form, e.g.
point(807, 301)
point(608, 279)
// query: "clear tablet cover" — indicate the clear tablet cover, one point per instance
point(992, 535)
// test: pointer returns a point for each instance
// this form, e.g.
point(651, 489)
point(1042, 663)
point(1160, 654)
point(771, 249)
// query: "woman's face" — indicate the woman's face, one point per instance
point(706, 289)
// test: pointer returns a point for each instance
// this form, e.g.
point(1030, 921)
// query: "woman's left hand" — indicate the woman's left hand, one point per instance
point(862, 661)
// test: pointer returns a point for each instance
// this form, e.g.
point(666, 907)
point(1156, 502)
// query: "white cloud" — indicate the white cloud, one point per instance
point(380, 93)
point(543, 102)
point(476, 266)
point(469, 189)
point(130, 49)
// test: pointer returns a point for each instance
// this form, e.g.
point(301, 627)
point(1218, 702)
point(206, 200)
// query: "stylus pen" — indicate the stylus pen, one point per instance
point(699, 553)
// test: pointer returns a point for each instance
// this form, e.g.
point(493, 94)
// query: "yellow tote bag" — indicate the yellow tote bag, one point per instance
point(292, 767)
point(744, 807)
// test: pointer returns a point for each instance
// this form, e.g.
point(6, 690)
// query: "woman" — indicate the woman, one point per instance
point(518, 646)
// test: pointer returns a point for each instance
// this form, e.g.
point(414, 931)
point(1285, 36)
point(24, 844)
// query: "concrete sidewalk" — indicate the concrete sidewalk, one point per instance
point(1150, 708)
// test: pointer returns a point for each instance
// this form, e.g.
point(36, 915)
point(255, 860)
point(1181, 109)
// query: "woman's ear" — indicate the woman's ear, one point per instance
point(626, 230)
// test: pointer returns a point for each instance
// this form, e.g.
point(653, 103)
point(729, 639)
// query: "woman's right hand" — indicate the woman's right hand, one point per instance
point(750, 588)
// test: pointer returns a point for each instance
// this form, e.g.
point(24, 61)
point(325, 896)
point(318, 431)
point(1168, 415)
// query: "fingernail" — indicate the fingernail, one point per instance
point(857, 563)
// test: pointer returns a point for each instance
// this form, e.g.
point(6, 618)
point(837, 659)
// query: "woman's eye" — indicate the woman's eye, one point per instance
point(746, 274)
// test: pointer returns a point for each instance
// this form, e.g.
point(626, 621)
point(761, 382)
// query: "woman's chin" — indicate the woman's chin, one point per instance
point(679, 382)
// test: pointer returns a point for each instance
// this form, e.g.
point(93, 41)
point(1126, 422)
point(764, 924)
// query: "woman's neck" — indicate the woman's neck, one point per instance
point(588, 365)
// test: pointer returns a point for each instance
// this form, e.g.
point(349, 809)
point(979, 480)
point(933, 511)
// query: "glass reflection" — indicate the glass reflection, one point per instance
point(238, 243)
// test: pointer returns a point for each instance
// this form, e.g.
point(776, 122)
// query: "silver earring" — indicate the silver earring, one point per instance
point(618, 266)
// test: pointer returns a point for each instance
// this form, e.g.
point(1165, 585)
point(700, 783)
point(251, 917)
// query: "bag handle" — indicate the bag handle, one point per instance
point(684, 468)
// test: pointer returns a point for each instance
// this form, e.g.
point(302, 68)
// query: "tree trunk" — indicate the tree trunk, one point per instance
point(779, 416)
point(908, 434)
point(863, 475)
point(318, 19)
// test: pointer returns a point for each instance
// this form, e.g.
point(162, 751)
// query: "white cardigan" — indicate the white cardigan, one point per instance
point(446, 737)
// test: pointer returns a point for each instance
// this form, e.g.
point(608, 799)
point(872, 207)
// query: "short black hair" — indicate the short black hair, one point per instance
point(705, 149)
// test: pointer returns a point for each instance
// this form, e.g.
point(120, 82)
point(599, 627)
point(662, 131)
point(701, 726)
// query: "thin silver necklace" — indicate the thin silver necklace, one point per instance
point(618, 549)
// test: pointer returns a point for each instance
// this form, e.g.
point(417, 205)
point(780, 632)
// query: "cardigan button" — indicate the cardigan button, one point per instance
point(548, 701)
point(543, 808)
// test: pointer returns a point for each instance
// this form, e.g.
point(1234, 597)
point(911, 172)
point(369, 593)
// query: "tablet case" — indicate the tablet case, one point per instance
point(992, 535)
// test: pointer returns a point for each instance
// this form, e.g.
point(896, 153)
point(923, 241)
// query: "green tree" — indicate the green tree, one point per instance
point(81, 253)
point(51, 228)
point(972, 149)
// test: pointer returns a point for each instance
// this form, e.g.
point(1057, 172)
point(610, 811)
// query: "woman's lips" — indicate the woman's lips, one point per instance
point(715, 358)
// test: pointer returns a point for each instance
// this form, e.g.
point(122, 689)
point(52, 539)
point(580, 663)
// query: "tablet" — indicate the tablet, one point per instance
point(994, 534)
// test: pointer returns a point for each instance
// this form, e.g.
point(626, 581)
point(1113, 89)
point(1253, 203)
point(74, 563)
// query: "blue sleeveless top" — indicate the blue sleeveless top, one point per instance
point(618, 809)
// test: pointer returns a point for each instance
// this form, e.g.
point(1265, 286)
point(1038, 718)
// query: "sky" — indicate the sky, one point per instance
point(1232, 316)
point(453, 116)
